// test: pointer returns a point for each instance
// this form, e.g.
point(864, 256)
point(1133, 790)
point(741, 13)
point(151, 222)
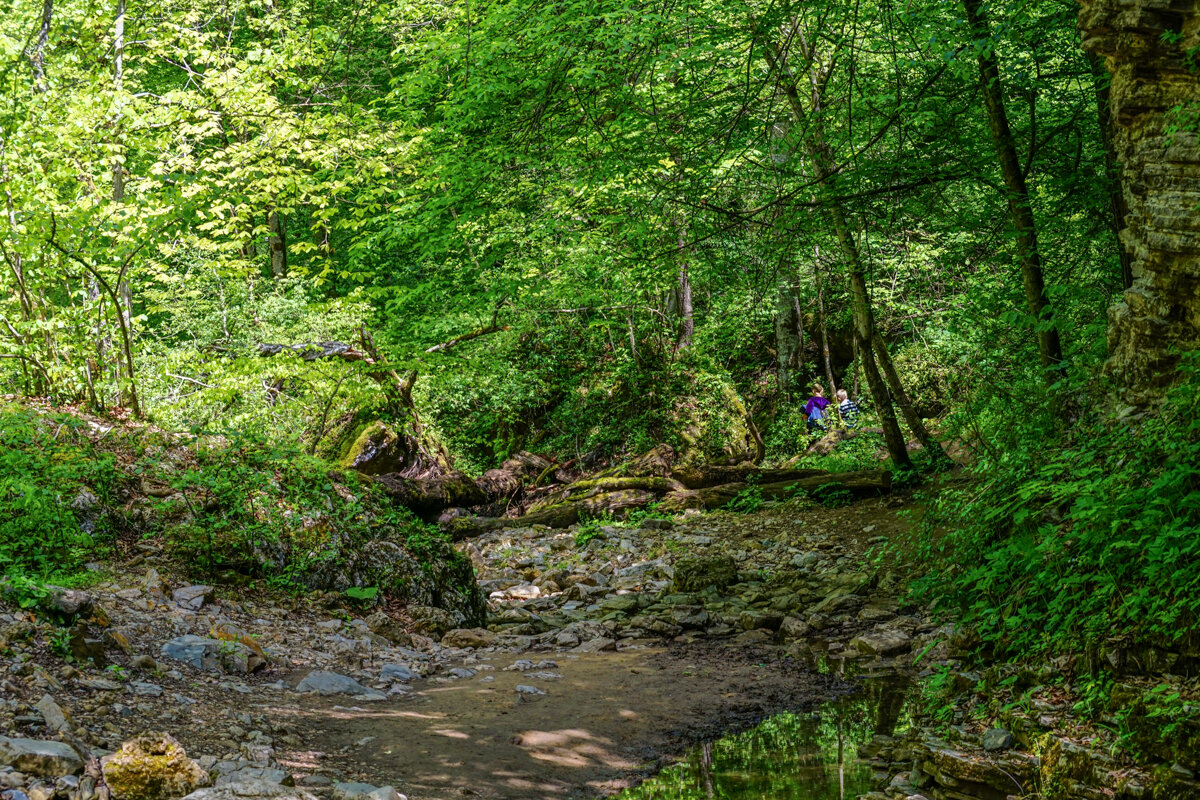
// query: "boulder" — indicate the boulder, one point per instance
point(214, 655)
point(44, 759)
point(152, 766)
point(697, 574)
point(388, 627)
point(469, 638)
point(328, 683)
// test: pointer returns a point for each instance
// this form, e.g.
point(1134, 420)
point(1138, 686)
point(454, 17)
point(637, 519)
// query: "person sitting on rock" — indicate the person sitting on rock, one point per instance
point(814, 409)
point(848, 409)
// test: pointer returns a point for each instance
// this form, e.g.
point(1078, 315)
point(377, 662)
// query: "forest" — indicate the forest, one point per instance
point(493, 327)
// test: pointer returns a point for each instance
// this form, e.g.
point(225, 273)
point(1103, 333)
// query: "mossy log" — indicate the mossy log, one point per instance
point(559, 515)
point(428, 497)
point(582, 490)
point(703, 477)
point(861, 483)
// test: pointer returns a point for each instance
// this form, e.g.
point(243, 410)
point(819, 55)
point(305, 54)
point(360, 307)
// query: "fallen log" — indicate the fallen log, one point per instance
point(559, 515)
point(581, 490)
point(703, 477)
point(428, 497)
point(866, 482)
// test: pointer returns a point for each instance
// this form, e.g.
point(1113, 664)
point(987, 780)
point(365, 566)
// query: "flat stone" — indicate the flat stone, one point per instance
point(56, 719)
point(251, 790)
point(886, 642)
point(529, 690)
point(39, 757)
point(328, 683)
point(468, 638)
point(365, 791)
point(193, 597)
point(601, 645)
point(277, 777)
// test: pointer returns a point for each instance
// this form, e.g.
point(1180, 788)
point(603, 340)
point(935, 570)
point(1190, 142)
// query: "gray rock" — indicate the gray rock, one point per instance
point(462, 672)
point(398, 672)
point(327, 683)
point(528, 690)
point(38, 757)
point(68, 602)
point(212, 655)
point(143, 689)
point(251, 790)
point(998, 739)
point(193, 597)
point(601, 645)
point(364, 791)
point(264, 774)
point(52, 713)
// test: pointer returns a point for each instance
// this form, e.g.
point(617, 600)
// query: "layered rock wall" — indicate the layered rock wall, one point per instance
point(1152, 50)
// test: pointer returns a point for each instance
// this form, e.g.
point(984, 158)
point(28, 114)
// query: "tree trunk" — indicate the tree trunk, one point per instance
point(277, 244)
point(787, 339)
point(931, 445)
point(687, 323)
point(1019, 207)
point(1118, 208)
point(831, 389)
point(37, 56)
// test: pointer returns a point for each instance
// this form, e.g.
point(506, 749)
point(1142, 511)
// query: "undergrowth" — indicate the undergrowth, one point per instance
point(1073, 534)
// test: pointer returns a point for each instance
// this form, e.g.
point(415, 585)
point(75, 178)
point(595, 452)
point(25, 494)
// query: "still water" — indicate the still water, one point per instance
point(809, 756)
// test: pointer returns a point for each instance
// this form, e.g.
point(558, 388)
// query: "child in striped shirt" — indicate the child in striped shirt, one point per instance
point(848, 409)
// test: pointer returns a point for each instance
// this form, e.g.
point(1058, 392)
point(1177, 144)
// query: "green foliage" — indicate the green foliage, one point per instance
point(833, 495)
point(748, 500)
point(1071, 536)
point(363, 595)
point(44, 468)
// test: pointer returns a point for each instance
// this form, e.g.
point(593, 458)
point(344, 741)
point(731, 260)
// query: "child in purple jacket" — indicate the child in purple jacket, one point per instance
point(814, 409)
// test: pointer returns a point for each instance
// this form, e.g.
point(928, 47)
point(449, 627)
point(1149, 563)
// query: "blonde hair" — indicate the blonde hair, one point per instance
point(841, 395)
point(818, 389)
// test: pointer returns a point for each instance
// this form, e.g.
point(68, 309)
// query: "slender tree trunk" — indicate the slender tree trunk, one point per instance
point(37, 55)
point(854, 385)
point(821, 321)
point(687, 322)
point(931, 445)
point(1020, 209)
point(277, 243)
point(864, 322)
point(787, 343)
point(1118, 207)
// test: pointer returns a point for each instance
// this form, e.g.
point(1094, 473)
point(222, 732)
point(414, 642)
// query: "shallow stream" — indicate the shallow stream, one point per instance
point(800, 756)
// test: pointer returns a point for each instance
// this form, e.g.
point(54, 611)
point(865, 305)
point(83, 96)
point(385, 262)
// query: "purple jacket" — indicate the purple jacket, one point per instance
point(816, 402)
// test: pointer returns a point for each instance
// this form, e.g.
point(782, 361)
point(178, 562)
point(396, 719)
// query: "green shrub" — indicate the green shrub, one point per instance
point(44, 466)
point(1073, 534)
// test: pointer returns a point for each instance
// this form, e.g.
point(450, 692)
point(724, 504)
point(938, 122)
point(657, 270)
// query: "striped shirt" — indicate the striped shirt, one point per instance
point(849, 411)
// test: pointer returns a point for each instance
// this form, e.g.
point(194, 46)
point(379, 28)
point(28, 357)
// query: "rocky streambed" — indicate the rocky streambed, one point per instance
point(608, 650)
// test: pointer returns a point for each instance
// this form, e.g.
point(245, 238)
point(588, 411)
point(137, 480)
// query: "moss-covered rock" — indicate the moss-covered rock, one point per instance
point(152, 766)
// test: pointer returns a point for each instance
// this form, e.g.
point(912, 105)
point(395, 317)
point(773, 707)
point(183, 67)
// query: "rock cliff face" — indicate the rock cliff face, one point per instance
point(1152, 50)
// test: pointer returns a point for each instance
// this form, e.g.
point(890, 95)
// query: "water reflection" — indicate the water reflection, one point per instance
point(810, 756)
